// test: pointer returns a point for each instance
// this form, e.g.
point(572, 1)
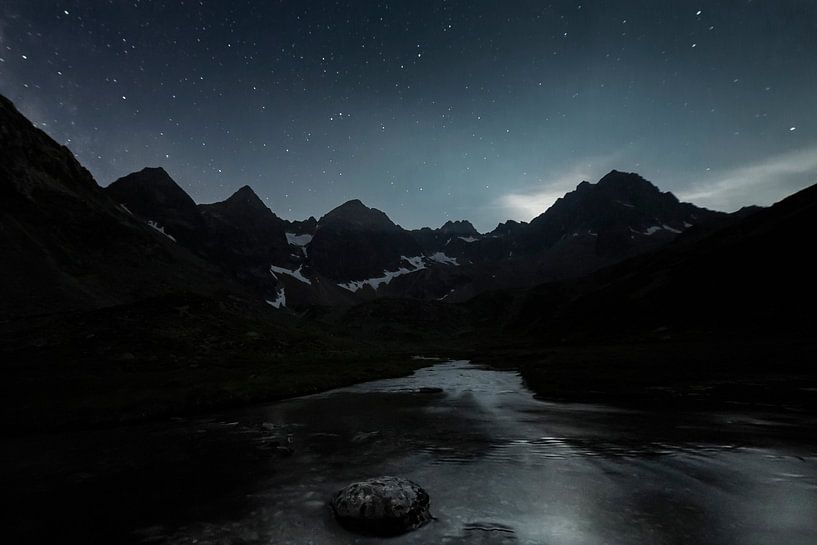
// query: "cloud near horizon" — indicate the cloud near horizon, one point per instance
point(761, 183)
point(527, 203)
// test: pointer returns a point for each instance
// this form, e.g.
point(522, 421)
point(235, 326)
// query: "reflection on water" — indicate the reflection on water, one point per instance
point(500, 467)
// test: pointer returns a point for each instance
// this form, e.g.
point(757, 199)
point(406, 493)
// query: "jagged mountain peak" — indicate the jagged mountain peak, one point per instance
point(158, 171)
point(628, 183)
point(356, 214)
point(620, 176)
point(616, 193)
point(68, 244)
point(246, 235)
point(245, 199)
point(302, 227)
point(353, 206)
point(355, 242)
point(245, 209)
point(246, 191)
point(30, 161)
point(353, 203)
point(508, 225)
point(153, 195)
point(459, 228)
point(149, 187)
point(620, 202)
point(150, 176)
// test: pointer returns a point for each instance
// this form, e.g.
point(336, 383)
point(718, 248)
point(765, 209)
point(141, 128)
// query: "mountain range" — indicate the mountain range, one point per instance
point(137, 271)
point(67, 245)
point(143, 230)
point(351, 254)
point(355, 253)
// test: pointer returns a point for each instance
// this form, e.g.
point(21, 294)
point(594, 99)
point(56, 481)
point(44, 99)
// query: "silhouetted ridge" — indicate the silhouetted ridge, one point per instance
point(459, 228)
point(67, 245)
point(246, 197)
point(246, 237)
point(620, 202)
point(243, 201)
point(353, 252)
point(508, 227)
point(31, 161)
point(748, 277)
point(356, 214)
point(300, 227)
point(154, 196)
point(624, 181)
point(149, 186)
point(355, 242)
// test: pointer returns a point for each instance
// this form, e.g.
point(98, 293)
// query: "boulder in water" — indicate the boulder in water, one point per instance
point(382, 506)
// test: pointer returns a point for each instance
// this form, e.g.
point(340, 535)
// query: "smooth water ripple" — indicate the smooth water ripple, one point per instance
point(500, 466)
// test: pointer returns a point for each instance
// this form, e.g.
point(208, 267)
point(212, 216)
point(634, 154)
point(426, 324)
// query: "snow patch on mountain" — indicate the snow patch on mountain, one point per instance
point(416, 263)
point(446, 295)
point(440, 257)
point(298, 240)
point(655, 228)
point(468, 239)
point(296, 274)
point(280, 299)
point(160, 229)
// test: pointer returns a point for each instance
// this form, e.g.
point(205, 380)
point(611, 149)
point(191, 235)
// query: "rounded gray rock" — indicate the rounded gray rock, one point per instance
point(382, 506)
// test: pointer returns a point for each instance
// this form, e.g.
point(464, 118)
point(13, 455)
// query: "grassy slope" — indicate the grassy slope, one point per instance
point(692, 373)
point(189, 354)
point(175, 355)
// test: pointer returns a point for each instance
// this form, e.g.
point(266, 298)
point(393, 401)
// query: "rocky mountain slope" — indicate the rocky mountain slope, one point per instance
point(594, 226)
point(354, 242)
point(66, 244)
point(748, 277)
point(354, 252)
point(112, 313)
point(152, 304)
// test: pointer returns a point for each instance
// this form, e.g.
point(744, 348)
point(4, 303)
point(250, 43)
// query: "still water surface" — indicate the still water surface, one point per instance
point(500, 467)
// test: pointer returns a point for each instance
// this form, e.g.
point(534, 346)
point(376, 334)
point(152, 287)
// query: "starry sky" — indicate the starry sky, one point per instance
point(429, 110)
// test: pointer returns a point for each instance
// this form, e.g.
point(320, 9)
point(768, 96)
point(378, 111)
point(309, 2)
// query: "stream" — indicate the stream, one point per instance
point(500, 466)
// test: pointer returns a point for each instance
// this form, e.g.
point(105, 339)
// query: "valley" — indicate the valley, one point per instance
point(456, 272)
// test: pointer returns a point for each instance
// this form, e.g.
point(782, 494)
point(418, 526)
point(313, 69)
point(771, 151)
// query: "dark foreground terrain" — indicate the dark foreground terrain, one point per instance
point(742, 374)
point(172, 356)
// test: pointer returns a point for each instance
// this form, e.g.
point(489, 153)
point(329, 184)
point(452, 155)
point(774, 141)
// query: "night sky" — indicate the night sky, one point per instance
point(428, 110)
